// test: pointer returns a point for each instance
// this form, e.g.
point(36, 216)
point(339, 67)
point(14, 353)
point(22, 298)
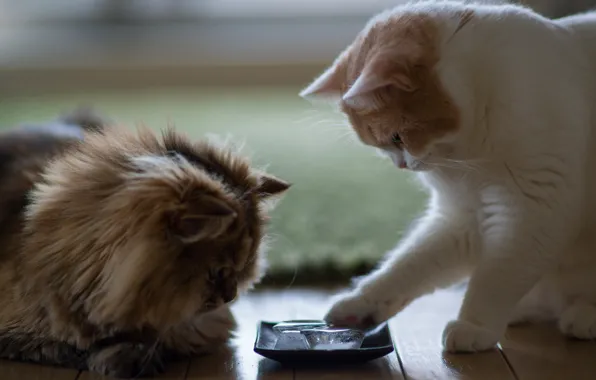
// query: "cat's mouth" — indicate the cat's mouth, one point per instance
point(401, 164)
point(398, 160)
point(225, 295)
point(210, 306)
point(413, 164)
point(216, 304)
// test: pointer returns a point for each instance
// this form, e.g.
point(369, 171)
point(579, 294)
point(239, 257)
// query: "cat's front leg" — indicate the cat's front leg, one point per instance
point(437, 253)
point(28, 347)
point(203, 334)
point(522, 240)
point(126, 360)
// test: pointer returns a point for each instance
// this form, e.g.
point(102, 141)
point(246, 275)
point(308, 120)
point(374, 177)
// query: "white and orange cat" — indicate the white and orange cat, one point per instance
point(493, 107)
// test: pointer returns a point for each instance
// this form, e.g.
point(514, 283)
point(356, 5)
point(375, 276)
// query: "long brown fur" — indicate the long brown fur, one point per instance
point(121, 248)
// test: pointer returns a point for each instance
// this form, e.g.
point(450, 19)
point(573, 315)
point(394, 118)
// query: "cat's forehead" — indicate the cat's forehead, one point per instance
point(407, 36)
point(406, 43)
point(219, 163)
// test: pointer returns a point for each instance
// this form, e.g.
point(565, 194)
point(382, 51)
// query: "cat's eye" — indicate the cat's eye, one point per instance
point(220, 275)
point(172, 154)
point(396, 139)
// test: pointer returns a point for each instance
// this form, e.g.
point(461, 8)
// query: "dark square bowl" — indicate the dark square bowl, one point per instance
point(377, 343)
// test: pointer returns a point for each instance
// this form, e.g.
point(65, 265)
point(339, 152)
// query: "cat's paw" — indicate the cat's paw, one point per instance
point(217, 325)
point(355, 309)
point(204, 334)
point(126, 360)
point(579, 321)
point(351, 309)
point(463, 336)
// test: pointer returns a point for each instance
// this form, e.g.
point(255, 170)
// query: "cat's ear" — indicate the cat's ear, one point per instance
point(270, 186)
point(380, 71)
point(325, 86)
point(204, 217)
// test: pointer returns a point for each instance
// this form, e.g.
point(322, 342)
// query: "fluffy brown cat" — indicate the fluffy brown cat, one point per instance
point(120, 250)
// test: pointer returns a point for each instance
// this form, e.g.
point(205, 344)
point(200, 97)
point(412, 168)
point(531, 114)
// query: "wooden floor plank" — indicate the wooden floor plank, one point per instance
point(236, 364)
point(19, 371)
point(534, 353)
point(384, 368)
point(417, 336)
point(541, 352)
point(175, 371)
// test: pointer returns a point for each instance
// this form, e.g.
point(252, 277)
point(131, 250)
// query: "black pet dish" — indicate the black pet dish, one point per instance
point(376, 344)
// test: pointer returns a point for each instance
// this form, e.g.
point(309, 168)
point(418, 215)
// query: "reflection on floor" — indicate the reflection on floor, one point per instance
point(528, 353)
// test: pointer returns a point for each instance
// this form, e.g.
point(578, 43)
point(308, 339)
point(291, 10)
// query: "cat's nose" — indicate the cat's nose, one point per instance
point(229, 291)
point(225, 287)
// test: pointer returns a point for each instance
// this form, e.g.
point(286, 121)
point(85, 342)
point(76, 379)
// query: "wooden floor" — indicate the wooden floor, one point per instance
point(528, 353)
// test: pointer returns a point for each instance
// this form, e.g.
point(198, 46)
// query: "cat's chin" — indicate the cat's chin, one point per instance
point(405, 161)
point(419, 167)
point(414, 166)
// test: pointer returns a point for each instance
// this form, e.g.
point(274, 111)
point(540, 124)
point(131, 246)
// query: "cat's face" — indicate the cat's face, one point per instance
point(137, 230)
point(387, 83)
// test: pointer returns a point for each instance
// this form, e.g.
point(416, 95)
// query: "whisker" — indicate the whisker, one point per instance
point(473, 163)
point(348, 135)
point(149, 357)
point(453, 164)
point(293, 278)
point(312, 121)
point(325, 123)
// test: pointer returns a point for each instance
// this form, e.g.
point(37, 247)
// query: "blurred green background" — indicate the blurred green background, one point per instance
point(347, 207)
point(228, 67)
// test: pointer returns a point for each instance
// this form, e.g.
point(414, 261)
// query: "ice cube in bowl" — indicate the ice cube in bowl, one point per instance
point(291, 340)
point(333, 338)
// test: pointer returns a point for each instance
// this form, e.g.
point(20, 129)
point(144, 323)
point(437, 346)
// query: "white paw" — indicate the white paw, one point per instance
point(217, 325)
point(353, 309)
point(462, 336)
point(579, 321)
point(204, 334)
